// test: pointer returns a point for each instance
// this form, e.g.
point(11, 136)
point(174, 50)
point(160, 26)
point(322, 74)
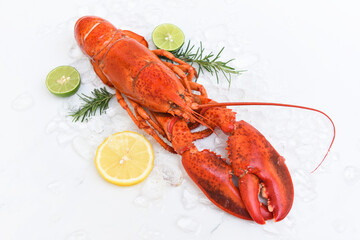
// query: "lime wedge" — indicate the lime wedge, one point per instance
point(168, 37)
point(63, 81)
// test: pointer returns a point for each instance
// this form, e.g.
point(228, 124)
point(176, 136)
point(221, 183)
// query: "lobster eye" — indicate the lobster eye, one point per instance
point(173, 105)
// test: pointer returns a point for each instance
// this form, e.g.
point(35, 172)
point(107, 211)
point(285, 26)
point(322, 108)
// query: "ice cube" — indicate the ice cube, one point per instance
point(78, 235)
point(83, 148)
point(171, 174)
point(351, 175)
point(187, 224)
point(189, 198)
point(22, 102)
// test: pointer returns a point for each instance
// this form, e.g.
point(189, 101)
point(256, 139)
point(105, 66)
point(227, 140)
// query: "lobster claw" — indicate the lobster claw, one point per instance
point(213, 175)
point(255, 162)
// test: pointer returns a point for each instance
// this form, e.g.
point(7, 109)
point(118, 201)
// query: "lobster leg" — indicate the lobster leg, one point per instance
point(190, 75)
point(202, 134)
point(142, 125)
point(200, 88)
point(136, 36)
point(101, 74)
point(190, 69)
point(146, 117)
point(180, 74)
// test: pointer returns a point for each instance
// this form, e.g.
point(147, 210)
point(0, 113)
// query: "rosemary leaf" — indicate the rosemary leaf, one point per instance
point(207, 61)
point(99, 100)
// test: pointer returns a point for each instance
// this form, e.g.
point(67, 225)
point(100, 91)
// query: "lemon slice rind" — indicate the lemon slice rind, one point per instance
point(146, 150)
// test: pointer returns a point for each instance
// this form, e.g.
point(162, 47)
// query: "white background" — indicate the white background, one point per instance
point(307, 52)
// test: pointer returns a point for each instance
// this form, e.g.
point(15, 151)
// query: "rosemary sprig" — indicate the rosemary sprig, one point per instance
point(99, 100)
point(210, 62)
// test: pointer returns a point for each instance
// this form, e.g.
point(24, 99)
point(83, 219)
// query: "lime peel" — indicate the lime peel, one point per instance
point(63, 81)
point(167, 36)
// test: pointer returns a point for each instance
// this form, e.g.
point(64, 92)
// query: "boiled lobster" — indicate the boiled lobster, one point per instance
point(164, 105)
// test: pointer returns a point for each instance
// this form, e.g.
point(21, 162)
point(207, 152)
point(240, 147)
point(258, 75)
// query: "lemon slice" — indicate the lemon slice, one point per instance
point(125, 158)
point(63, 81)
point(168, 37)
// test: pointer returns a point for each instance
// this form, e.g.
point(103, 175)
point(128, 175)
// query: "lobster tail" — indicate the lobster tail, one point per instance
point(93, 34)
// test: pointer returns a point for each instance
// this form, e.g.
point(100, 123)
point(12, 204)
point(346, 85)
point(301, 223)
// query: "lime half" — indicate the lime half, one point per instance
point(63, 81)
point(168, 37)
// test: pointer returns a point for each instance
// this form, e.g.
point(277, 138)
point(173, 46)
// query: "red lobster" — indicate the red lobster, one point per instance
point(161, 94)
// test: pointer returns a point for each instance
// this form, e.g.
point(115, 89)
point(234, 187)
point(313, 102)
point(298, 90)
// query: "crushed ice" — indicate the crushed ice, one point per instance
point(283, 228)
point(351, 175)
point(78, 235)
point(190, 198)
point(147, 233)
point(340, 225)
point(171, 174)
point(56, 187)
point(152, 189)
point(22, 102)
point(187, 224)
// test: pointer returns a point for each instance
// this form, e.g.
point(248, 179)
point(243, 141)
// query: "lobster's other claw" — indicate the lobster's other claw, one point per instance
point(254, 160)
point(213, 175)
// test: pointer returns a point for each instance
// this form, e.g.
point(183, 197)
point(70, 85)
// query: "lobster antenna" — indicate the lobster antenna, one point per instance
point(278, 105)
